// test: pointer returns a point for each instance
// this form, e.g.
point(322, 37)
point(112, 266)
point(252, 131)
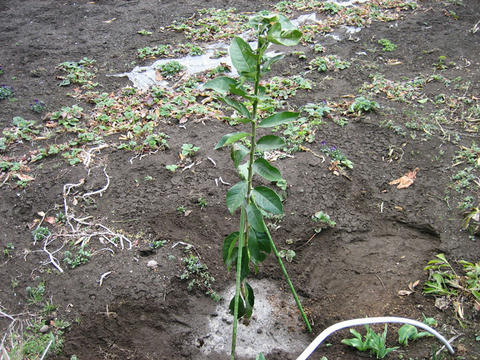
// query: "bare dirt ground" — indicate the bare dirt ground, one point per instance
point(94, 180)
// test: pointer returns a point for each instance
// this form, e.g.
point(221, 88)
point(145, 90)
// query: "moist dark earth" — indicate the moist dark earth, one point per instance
point(383, 236)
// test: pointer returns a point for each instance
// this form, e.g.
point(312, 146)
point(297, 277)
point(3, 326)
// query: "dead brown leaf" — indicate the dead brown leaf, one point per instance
point(23, 177)
point(413, 285)
point(50, 219)
point(406, 180)
point(404, 292)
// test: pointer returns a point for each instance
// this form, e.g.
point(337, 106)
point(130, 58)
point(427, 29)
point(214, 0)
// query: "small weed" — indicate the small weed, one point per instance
point(336, 156)
point(81, 72)
point(152, 52)
point(410, 333)
point(328, 63)
point(332, 8)
point(202, 203)
point(74, 260)
point(35, 294)
point(157, 244)
point(6, 92)
point(198, 276)
point(188, 150)
point(372, 342)
point(38, 106)
point(444, 281)
point(300, 54)
point(156, 141)
point(40, 233)
point(8, 249)
point(181, 209)
point(362, 104)
point(287, 254)
point(171, 167)
point(387, 45)
point(323, 220)
point(170, 69)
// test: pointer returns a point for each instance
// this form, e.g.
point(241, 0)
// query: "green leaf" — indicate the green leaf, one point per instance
point(258, 246)
point(255, 218)
point(241, 307)
point(260, 357)
point(238, 154)
point(250, 300)
point(268, 200)
point(270, 142)
point(221, 84)
point(263, 168)
point(284, 32)
point(238, 106)
point(407, 332)
point(270, 61)
point(227, 249)
point(242, 56)
point(279, 119)
point(243, 170)
point(236, 196)
point(231, 138)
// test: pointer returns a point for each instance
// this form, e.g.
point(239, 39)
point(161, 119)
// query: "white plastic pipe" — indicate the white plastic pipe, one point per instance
point(366, 321)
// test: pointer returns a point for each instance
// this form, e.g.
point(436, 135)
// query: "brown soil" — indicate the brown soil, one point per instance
point(383, 238)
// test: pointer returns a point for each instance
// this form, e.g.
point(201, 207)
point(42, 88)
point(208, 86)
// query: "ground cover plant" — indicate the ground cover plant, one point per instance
point(112, 197)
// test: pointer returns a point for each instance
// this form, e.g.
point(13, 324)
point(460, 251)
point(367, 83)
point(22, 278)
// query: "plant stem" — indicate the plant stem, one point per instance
point(292, 289)
point(238, 280)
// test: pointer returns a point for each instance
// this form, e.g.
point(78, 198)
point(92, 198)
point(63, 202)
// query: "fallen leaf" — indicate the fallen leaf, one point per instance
point(404, 292)
point(476, 304)
point(23, 177)
point(50, 220)
point(399, 208)
point(406, 180)
point(188, 212)
point(41, 213)
point(413, 285)
point(109, 21)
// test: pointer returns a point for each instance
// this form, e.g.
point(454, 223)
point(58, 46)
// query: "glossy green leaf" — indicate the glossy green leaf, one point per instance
point(249, 300)
point(263, 168)
point(279, 119)
point(221, 84)
point(238, 106)
point(255, 218)
point(268, 200)
point(231, 138)
point(284, 33)
point(242, 56)
point(238, 153)
point(260, 357)
point(270, 142)
point(258, 246)
point(241, 307)
point(236, 196)
point(227, 249)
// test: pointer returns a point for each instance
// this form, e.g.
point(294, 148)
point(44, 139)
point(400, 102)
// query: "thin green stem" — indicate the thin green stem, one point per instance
point(238, 280)
point(292, 289)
